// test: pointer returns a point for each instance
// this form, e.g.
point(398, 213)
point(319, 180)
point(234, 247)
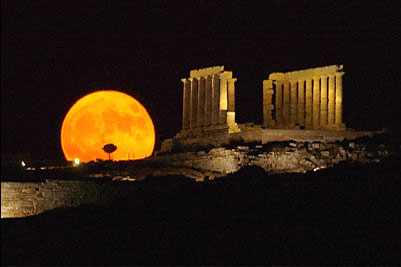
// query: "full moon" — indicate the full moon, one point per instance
point(107, 117)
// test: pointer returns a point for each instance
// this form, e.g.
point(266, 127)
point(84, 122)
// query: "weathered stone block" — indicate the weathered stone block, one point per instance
point(316, 145)
point(325, 153)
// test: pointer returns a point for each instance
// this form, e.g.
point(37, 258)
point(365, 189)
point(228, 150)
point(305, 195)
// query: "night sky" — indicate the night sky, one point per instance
point(53, 53)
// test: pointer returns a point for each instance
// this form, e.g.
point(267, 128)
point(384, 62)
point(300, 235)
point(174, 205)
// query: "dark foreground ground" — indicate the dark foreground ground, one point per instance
point(348, 215)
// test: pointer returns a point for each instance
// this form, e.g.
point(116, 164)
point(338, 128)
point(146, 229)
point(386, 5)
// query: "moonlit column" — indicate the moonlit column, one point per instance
point(331, 100)
point(223, 100)
point(201, 102)
point(323, 102)
point(231, 101)
point(208, 101)
point(279, 103)
point(301, 103)
point(308, 103)
point(339, 99)
point(316, 102)
point(286, 103)
point(194, 104)
point(186, 103)
point(293, 92)
point(216, 100)
point(267, 103)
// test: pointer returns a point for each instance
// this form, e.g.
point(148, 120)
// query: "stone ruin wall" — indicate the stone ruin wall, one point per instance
point(273, 158)
point(22, 199)
point(255, 133)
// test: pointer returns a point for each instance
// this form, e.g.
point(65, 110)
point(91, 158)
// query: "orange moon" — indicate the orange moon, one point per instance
point(107, 117)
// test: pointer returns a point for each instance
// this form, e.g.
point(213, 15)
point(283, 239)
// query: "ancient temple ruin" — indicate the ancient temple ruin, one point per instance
point(208, 102)
point(303, 105)
point(304, 99)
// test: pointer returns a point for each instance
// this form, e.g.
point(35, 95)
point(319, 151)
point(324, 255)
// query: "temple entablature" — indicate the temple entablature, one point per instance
point(210, 71)
point(301, 74)
point(277, 76)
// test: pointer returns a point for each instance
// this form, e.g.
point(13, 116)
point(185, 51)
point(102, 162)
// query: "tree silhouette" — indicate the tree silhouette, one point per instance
point(109, 148)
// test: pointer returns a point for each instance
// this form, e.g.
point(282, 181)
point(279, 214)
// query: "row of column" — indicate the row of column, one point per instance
point(208, 101)
point(311, 102)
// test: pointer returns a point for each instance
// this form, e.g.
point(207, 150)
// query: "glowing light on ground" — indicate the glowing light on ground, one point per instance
point(107, 117)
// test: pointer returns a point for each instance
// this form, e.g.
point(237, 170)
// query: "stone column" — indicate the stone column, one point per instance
point(301, 102)
point(316, 103)
point(216, 100)
point(193, 122)
point(308, 104)
point(201, 102)
point(223, 99)
point(186, 104)
point(286, 103)
point(231, 101)
point(279, 103)
point(268, 103)
point(339, 99)
point(331, 100)
point(208, 101)
point(323, 102)
point(294, 113)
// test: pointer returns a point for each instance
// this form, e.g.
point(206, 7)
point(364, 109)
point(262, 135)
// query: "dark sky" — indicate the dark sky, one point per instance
point(53, 53)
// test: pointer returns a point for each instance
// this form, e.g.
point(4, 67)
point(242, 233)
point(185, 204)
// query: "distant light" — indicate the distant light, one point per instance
point(76, 161)
point(316, 169)
point(23, 163)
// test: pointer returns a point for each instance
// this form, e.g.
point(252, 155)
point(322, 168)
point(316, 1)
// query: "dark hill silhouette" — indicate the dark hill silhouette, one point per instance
point(248, 172)
point(342, 216)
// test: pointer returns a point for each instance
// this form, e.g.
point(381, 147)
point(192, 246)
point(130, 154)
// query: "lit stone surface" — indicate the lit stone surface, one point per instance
point(268, 107)
point(194, 103)
point(201, 102)
point(279, 103)
point(26, 199)
point(316, 103)
point(286, 104)
point(231, 105)
point(301, 103)
point(331, 107)
point(310, 99)
point(223, 99)
point(339, 101)
point(216, 100)
point(323, 101)
point(294, 107)
point(297, 157)
point(208, 102)
point(186, 104)
point(308, 104)
point(231, 94)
